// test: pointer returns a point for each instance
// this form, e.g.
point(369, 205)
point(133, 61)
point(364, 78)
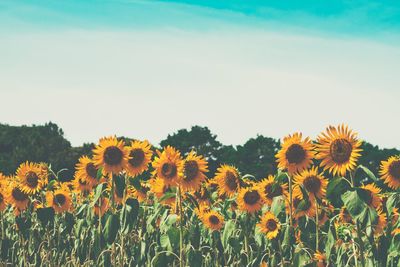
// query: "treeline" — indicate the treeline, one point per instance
point(46, 143)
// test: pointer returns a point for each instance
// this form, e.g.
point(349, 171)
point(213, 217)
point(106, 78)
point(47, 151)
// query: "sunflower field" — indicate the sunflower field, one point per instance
point(133, 205)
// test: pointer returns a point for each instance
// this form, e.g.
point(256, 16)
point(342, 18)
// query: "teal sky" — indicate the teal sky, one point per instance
point(336, 16)
point(147, 68)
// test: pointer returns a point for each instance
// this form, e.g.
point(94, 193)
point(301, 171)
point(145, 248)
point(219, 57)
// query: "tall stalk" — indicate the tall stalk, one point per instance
point(181, 256)
point(316, 226)
point(290, 202)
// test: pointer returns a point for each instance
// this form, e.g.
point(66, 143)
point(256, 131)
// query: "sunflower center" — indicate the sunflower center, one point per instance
point(369, 197)
point(1, 198)
point(271, 225)
point(251, 197)
point(295, 154)
point(312, 184)
point(113, 155)
point(168, 170)
point(18, 195)
point(32, 179)
point(91, 170)
point(137, 157)
point(191, 170)
point(59, 199)
point(82, 182)
point(340, 150)
point(270, 191)
point(214, 219)
point(230, 181)
point(394, 169)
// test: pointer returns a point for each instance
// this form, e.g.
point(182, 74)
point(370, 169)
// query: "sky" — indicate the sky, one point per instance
point(145, 69)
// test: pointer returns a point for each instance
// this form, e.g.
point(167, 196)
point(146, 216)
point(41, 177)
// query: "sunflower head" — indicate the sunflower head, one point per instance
point(345, 216)
point(320, 259)
point(30, 177)
point(227, 180)
point(17, 197)
point(302, 205)
point(192, 172)
point(140, 192)
point(269, 225)
point(202, 196)
point(212, 220)
point(373, 199)
point(86, 170)
point(101, 206)
point(82, 184)
point(313, 182)
point(296, 153)
point(338, 149)
point(3, 203)
point(111, 155)
point(269, 189)
point(140, 154)
point(159, 188)
point(60, 200)
point(167, 164)
point(390, 171)
point(249, 199)
point(381, 223)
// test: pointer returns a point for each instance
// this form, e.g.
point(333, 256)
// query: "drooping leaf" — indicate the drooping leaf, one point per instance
point(111, 228)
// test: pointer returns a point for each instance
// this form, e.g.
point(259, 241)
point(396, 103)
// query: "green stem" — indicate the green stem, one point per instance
point(290, 202)
point(316, 227)
point(181, 257)
point(361, 244)
point(112, 193)
point(281, 252)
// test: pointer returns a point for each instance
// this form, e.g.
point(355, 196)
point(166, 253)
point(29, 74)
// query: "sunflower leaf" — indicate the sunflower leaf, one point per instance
point(362, 169)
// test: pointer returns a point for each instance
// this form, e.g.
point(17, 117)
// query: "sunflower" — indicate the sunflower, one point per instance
point(140, 193)
point(3, 203)
point(396, 231)
point(192, 172)
point(249, 199)
point(212, 220)
point(338, 149)
point(269, 189)
point(44, 169)
point(345, 216)
point(269, 225)
point(3, 181)
point(111, 155)
point(60, 200)
point(312, 181)
point(296, 153)
point(81, 184)
point(227, 179)
point(373, 200)
point(159, 189)
point(101, 206)
point(320, 259)
point(119, 197)
point(390, 171)
point(30, 177)
point(381, 222)
point(201, 210)
point(86, 170)
point(302, 205)
point(16, 197)
point(202, 196)
point(140, 154)
point(167, 164)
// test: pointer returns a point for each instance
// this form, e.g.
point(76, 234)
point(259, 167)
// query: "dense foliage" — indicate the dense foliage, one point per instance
point(299, 202)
